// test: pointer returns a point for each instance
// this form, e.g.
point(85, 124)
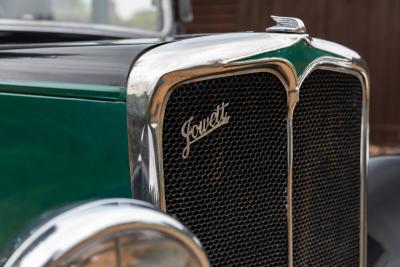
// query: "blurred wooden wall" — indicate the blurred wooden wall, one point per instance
point(371, 27)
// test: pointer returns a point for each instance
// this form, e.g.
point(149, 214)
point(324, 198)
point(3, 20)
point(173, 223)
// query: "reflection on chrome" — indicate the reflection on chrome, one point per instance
point(133, 248)
point(110, 233)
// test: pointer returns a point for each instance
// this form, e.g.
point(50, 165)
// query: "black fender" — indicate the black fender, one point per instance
point(384, 211)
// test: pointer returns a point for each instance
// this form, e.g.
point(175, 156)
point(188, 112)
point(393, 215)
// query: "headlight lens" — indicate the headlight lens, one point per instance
point(137, 248)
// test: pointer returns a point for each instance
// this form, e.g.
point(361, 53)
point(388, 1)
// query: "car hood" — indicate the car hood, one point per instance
point(94, 70)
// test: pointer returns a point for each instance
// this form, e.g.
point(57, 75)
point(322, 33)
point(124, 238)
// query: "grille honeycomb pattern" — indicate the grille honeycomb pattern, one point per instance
point(231, 191)
point(326, 200)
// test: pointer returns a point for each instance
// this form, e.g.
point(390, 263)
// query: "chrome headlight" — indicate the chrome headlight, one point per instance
point(110, 233)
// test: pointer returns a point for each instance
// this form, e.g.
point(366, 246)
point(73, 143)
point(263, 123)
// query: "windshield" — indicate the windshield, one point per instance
point(134, 14)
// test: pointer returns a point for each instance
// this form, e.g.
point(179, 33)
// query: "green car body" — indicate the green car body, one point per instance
point(58, 150)
point(65, 142)
point(86, 140)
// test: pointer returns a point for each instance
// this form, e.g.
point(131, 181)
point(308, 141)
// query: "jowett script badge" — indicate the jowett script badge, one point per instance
point(193, 132)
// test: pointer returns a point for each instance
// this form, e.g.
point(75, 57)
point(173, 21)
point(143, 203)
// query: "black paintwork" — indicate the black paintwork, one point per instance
point(102, 63)
point(34, 37)
point(384, 211)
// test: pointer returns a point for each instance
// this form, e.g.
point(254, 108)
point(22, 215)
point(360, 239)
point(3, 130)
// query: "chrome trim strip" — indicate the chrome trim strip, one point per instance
point(334, 48)
point(50, 243)
point(158, 71)
point(293, 98)
point(360, 66)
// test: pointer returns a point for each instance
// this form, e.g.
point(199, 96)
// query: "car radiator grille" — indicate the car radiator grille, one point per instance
point(326, 169)
point(231, 191)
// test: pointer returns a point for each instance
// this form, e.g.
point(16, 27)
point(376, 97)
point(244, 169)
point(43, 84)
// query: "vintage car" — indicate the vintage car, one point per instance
point(140, 147)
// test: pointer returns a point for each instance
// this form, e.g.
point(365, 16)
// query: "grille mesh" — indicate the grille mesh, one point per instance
point(231, 191)
point(326, 188)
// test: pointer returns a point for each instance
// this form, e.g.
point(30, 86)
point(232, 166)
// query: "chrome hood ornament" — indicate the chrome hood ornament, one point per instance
point(287, 24)
point(194, 132)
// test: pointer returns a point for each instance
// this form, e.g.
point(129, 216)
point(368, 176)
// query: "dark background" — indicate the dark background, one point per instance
point(371, 27)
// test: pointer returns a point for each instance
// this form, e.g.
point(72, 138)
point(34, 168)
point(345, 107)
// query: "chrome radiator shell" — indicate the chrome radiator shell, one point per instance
point(160, 70)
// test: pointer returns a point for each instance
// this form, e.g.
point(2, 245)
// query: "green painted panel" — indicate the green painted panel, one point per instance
point(74, 90)
point(64, 142)
point(54, 151)
point(300, 55)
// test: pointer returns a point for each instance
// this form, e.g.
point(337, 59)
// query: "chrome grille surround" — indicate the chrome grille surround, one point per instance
point(158, 71)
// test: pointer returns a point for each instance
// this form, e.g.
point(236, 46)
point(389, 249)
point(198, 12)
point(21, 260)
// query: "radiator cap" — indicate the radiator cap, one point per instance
point(287, 25)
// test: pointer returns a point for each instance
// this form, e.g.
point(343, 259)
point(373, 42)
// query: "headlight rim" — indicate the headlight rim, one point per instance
point(122, 214)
